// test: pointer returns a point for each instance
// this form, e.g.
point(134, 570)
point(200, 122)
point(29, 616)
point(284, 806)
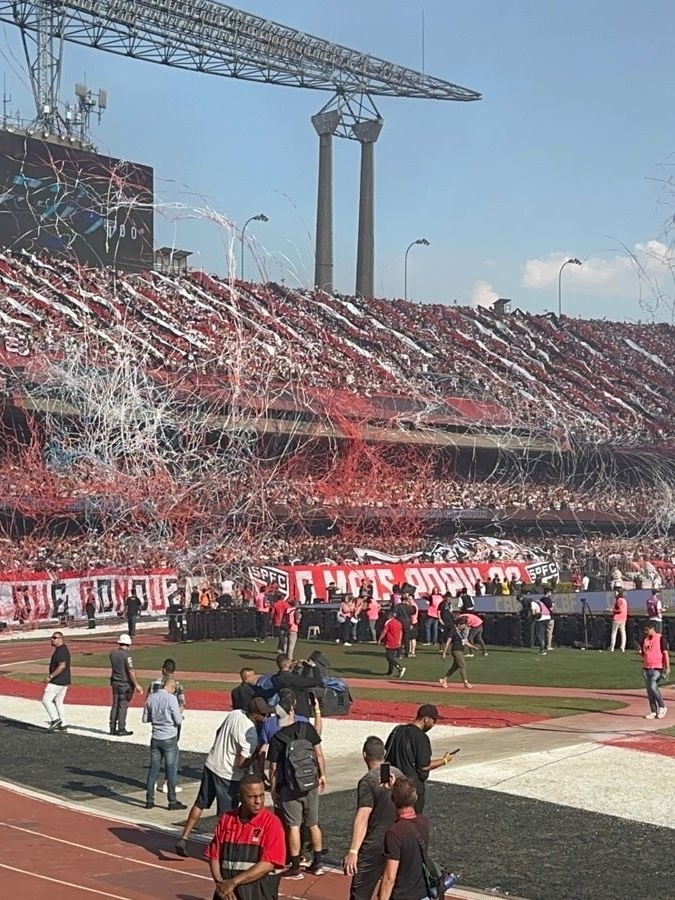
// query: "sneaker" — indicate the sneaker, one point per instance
point(443, 682)
point(402, 672)
point(177, 805)
point(181, 848)
point(662, 711)
point(651, 715)
point(61, 727)
point(294, 874)
point(163, 789)
point(315, 869)
point(468, 685)
point(485, 654)
point(124, 733)
point(55, 725)
point(337, 640)
point(149, 804)
point(542, 653)
point(468, 655)
point(346, 644)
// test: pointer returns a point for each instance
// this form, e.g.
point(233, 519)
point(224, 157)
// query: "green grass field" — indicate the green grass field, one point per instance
point(504, 665)
point(550, 707)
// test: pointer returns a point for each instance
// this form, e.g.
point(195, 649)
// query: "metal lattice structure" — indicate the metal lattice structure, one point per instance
point(209, 37)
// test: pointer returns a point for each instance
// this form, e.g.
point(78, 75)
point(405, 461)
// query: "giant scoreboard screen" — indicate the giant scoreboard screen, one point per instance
point(71, 202)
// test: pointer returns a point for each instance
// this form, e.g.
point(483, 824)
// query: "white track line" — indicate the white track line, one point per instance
point(78, 887)
point(118, 856)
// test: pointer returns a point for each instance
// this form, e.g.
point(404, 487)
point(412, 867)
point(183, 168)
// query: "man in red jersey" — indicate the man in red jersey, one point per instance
point(392, 638)
point(248, 845)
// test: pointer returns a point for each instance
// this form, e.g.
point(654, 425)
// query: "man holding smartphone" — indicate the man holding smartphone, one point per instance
point(409, 748)
point(375, 813)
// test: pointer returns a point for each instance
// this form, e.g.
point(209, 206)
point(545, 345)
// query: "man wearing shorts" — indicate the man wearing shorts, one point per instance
point(233, 750)
point(298, 807)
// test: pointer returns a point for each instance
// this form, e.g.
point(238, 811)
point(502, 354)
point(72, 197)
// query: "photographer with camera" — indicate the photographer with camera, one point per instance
point(301, 677)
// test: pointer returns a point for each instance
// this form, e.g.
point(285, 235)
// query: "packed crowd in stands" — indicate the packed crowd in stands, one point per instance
point(590, 554)
point(597, 381)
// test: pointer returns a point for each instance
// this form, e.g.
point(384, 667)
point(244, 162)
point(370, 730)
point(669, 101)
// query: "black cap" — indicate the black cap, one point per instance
point(428, 711)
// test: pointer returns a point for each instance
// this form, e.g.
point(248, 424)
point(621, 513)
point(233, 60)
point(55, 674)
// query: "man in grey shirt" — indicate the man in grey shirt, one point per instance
point(123, 683)
point(163, 713)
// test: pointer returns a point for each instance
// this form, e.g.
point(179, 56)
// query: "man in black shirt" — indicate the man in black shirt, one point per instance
point(56, 683)
point(300, 684)
point(374, 814)
point(299, 807)
point(406, 843)
point(246, 691)
point(409, 749)
point(133, 608)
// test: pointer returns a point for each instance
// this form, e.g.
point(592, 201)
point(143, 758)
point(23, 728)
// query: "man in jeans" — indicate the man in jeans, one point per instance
point(655, 667)
point(56, 683)
point(163, 713)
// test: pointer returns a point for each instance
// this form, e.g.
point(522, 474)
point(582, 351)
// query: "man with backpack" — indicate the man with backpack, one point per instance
point(297, 777)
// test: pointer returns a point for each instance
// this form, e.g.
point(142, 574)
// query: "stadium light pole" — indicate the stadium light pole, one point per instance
point(261, 217)
point(573, 262)
point(423, 242)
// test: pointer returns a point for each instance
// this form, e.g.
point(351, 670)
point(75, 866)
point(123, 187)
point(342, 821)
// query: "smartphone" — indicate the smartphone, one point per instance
point(385, 773)
point(312, 698)
point(455, 752)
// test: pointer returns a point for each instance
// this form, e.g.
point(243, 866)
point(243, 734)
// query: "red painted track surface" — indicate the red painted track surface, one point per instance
point(53, 852)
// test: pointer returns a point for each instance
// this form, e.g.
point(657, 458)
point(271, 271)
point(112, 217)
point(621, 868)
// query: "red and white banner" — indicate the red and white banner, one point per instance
point(32, 597)
point(425, 577)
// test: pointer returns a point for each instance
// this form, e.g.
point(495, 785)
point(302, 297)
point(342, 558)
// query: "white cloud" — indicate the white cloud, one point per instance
point(483, 294)
point(618, 275)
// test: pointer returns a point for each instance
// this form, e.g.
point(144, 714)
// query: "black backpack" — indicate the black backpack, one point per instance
point(301, 770)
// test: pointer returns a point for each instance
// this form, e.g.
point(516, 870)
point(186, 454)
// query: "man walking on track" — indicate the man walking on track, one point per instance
point(392, 639)
point(409, 749)
point(123, 683)
point(248, 845)
point(56, 683)
point(374, 814)
point(655, 665)
point(233, 750)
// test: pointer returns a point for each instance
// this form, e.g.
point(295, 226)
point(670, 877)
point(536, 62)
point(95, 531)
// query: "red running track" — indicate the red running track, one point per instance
point(51, 851)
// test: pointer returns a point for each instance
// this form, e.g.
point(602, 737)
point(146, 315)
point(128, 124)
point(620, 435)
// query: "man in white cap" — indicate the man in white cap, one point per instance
point(123, 683)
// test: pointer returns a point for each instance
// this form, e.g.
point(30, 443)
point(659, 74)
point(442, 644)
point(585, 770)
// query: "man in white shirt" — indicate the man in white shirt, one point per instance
point(542, 616)
point(234, 748)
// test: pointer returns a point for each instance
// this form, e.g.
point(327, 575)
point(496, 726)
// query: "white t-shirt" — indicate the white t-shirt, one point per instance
point(237, 736)
point(541, 610)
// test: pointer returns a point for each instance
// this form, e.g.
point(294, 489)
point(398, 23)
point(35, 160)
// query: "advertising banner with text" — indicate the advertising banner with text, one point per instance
point(425, 577)
point(32, 597)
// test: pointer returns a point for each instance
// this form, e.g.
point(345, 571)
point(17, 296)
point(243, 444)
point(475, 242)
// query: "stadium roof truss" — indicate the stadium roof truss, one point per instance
point(209, 37)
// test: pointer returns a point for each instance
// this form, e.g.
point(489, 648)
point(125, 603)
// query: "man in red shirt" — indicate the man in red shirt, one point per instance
point(392, 638)
point(248, 845)
point(277, 616)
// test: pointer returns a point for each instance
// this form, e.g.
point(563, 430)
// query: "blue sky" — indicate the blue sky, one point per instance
point(566, 154)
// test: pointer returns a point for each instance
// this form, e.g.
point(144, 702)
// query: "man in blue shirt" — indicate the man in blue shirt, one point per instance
point(163, 713)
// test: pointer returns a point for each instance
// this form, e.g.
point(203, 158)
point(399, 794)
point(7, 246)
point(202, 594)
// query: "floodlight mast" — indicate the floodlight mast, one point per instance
point(205, 36)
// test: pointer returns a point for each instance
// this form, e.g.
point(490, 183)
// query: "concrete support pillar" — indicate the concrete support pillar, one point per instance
point(367, 134)
point(325, 125)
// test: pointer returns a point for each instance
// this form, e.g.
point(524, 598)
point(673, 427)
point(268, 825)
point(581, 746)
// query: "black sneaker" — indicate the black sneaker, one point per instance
point(61, 727)
point(125, 733)
point(149, 804)
point(181, 849)
point(177, 805)
point(55, 725)
point(113, 732)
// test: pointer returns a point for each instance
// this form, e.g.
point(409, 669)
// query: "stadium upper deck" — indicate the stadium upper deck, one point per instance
point(374, 360)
